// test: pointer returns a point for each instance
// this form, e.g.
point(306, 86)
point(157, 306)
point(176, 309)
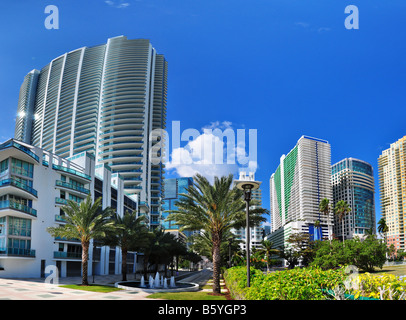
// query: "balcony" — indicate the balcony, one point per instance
point(71, 186)
point(19, 150)
point(13, 205)
point(67, 255)
point(16, 252)
point(26, 190)
point(59, 218)
point(61, 201)
point(72, 171)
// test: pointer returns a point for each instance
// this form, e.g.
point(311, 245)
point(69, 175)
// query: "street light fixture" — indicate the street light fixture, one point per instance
point(247, 187)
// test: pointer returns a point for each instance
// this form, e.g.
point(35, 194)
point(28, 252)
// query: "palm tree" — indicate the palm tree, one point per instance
point(383, 228)
point(324, 207)
point(342, 209)
point(213, 208)
point(268, 250)
point(130, 234)
point(84, 221)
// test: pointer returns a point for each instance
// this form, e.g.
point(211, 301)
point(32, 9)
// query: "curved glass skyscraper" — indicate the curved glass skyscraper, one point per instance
point(353, 181)
point(105, 100)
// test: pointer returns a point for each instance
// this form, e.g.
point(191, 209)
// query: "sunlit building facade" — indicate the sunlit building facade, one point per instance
point(299, 183)
point(105, 100)
point(392, 185)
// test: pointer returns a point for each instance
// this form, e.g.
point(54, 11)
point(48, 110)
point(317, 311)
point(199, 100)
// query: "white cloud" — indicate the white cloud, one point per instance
point(215, 152)
point(120, 5)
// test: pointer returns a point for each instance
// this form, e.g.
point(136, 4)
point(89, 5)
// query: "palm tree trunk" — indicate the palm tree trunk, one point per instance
point(342, 224)
point(124, 264)
point(216, 266)
point(85, 255)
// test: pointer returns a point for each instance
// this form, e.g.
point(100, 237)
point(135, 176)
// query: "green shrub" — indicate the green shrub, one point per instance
point(295, 284)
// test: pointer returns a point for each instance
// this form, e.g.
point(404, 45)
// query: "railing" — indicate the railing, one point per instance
point(113, 156)
point(18, 252)
point(18, 184)
point(72, 186)
point(60, 218)
point(61, 201)
point(18, 146)
point(72, 171)
point(17, 206)
point(126, 163)
point(67, 255)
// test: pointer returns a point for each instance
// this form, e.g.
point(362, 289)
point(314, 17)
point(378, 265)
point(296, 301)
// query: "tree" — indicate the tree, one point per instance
point(156, 248)
point(383, 228)
point(342, 209)
point(324, 207)
point(84, 221)
point(215, 209)
point(130, 234)
point(268, 251)
point(365, 254)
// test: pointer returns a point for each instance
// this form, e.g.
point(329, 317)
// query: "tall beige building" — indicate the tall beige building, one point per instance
point(392, 185)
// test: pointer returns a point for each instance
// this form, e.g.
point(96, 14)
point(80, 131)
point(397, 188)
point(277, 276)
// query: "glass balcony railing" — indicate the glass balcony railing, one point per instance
point(60, 218)
point(72, 186)
point(67, 255)
point(17, 206)
point(17, 252)
point(72, 171)
point(13, 144)
point(61, 201)
point(18, 184)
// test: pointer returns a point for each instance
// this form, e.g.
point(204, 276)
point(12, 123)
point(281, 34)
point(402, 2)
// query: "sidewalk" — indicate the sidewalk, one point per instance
point(37, 289)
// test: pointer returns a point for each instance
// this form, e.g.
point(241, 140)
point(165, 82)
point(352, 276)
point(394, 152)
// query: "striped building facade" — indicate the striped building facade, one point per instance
point(105, 100)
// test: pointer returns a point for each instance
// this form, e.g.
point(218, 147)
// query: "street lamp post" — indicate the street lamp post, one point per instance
point(247, 187)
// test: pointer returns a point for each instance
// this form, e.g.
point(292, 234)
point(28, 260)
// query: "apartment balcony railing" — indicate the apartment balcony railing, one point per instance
point(18, 184)
point(61, 201)
point(13, 144)
point(67, 255)
point(10, 204)
point(71, 171)
point(60, 218)
point(72, 186)
point(17, 252)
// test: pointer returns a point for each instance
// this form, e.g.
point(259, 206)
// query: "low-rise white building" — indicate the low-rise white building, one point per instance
point(34, 185)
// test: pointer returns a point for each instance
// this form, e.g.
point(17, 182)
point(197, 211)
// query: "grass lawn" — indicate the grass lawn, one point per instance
point(395, 270)
point(91, 287)
point(198, 295)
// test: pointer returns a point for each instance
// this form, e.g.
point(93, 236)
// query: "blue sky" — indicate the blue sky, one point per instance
point(283, 67)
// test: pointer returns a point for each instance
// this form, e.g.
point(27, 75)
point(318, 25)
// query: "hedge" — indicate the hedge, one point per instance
point(310, 283)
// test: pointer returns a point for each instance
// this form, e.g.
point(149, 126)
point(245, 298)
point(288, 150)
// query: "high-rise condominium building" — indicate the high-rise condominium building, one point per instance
point(256, 233)
point(353, 181)
point(300, 182)
point(392, 185)
point(105, 100)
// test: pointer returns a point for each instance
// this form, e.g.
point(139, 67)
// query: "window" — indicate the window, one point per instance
point(19, 227)
point(4, 167)
point(22, 168)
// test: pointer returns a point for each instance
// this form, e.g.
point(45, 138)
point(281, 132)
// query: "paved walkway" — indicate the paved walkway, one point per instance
point(37, 289)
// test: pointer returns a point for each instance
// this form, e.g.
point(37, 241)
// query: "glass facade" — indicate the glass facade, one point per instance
point(353, 181)
point(173, 190)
